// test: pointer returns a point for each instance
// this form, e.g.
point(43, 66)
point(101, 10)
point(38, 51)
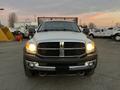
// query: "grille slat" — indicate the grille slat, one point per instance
point(49, 45)
point(59, 48)
point(53, 49)
point(73, 45)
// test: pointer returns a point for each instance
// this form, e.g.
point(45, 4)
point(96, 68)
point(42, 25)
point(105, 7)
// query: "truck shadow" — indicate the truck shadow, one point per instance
point(59, 82)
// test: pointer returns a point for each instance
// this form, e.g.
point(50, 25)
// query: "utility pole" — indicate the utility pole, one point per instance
point(34, 18)
point(1, 9)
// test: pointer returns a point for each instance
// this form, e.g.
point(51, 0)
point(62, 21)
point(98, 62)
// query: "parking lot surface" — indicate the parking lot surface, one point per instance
point(106, 77)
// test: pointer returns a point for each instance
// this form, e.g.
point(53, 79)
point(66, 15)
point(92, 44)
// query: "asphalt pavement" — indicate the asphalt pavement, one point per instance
point(106, 76)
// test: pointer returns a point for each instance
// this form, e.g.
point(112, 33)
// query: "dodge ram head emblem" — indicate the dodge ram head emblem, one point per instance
point(61, 49)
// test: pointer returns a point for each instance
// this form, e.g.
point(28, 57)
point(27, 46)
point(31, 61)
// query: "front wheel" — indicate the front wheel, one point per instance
point(91, 36)
point(117, 37)
point(89, 72)
point(28, 72)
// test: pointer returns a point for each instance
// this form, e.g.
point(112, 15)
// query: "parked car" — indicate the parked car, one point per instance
point(59, 47)
point(110, 32)
point(20, 30)
point(31, 31)
point(24, 31)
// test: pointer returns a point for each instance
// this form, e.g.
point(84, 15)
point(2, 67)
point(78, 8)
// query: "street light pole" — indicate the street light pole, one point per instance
point(1, 9)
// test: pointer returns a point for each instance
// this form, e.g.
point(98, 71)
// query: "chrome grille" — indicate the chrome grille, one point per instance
point(61, 49)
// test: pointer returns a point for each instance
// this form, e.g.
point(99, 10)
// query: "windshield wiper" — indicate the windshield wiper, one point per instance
point(70, 30)
point(46, 30)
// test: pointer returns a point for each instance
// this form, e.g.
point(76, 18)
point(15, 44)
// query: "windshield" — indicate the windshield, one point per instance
point(59, 26)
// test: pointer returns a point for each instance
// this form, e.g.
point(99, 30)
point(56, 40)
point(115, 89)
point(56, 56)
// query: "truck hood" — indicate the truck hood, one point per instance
point(57, 36)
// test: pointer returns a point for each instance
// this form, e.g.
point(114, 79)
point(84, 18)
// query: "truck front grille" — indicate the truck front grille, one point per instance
point(54, 49)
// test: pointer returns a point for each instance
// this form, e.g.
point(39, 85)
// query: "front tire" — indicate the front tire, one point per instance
point(89, 72)
point(29, 73)
point(91, 36)
point(117, 37)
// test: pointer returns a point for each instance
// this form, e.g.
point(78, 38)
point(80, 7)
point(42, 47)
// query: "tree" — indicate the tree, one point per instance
point(12, 19)
point(92, 26)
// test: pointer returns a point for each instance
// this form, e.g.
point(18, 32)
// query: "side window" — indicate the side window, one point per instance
point(110, 28)
point(97, 31)
point(102, 30)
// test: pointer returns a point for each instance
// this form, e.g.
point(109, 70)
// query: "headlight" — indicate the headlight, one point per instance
point(31, 48)
point(90, 47)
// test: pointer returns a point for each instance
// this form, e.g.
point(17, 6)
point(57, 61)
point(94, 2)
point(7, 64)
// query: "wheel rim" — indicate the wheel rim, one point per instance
point(117, 38)
point(91, 36)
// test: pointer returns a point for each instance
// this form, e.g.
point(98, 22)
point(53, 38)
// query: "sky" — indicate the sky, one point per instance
point(100, 12)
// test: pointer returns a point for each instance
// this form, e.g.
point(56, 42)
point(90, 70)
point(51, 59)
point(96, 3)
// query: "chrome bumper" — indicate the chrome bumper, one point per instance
point(36, 66)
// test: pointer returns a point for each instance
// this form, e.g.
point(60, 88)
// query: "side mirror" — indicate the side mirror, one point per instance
point(32, 33)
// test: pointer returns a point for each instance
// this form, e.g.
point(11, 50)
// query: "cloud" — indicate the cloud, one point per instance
point(101, 18)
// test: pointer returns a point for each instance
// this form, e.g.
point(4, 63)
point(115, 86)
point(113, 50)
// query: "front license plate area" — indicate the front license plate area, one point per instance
point(62, 68)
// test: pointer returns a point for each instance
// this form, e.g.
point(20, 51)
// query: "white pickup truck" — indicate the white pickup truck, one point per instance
point(110, 32)
point(59, 47)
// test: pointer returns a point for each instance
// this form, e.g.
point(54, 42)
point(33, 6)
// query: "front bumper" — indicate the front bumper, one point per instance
point(36, 66)
point(34, 62)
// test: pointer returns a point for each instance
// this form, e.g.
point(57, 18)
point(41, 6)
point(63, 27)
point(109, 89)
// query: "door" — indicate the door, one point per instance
point(97, 33)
